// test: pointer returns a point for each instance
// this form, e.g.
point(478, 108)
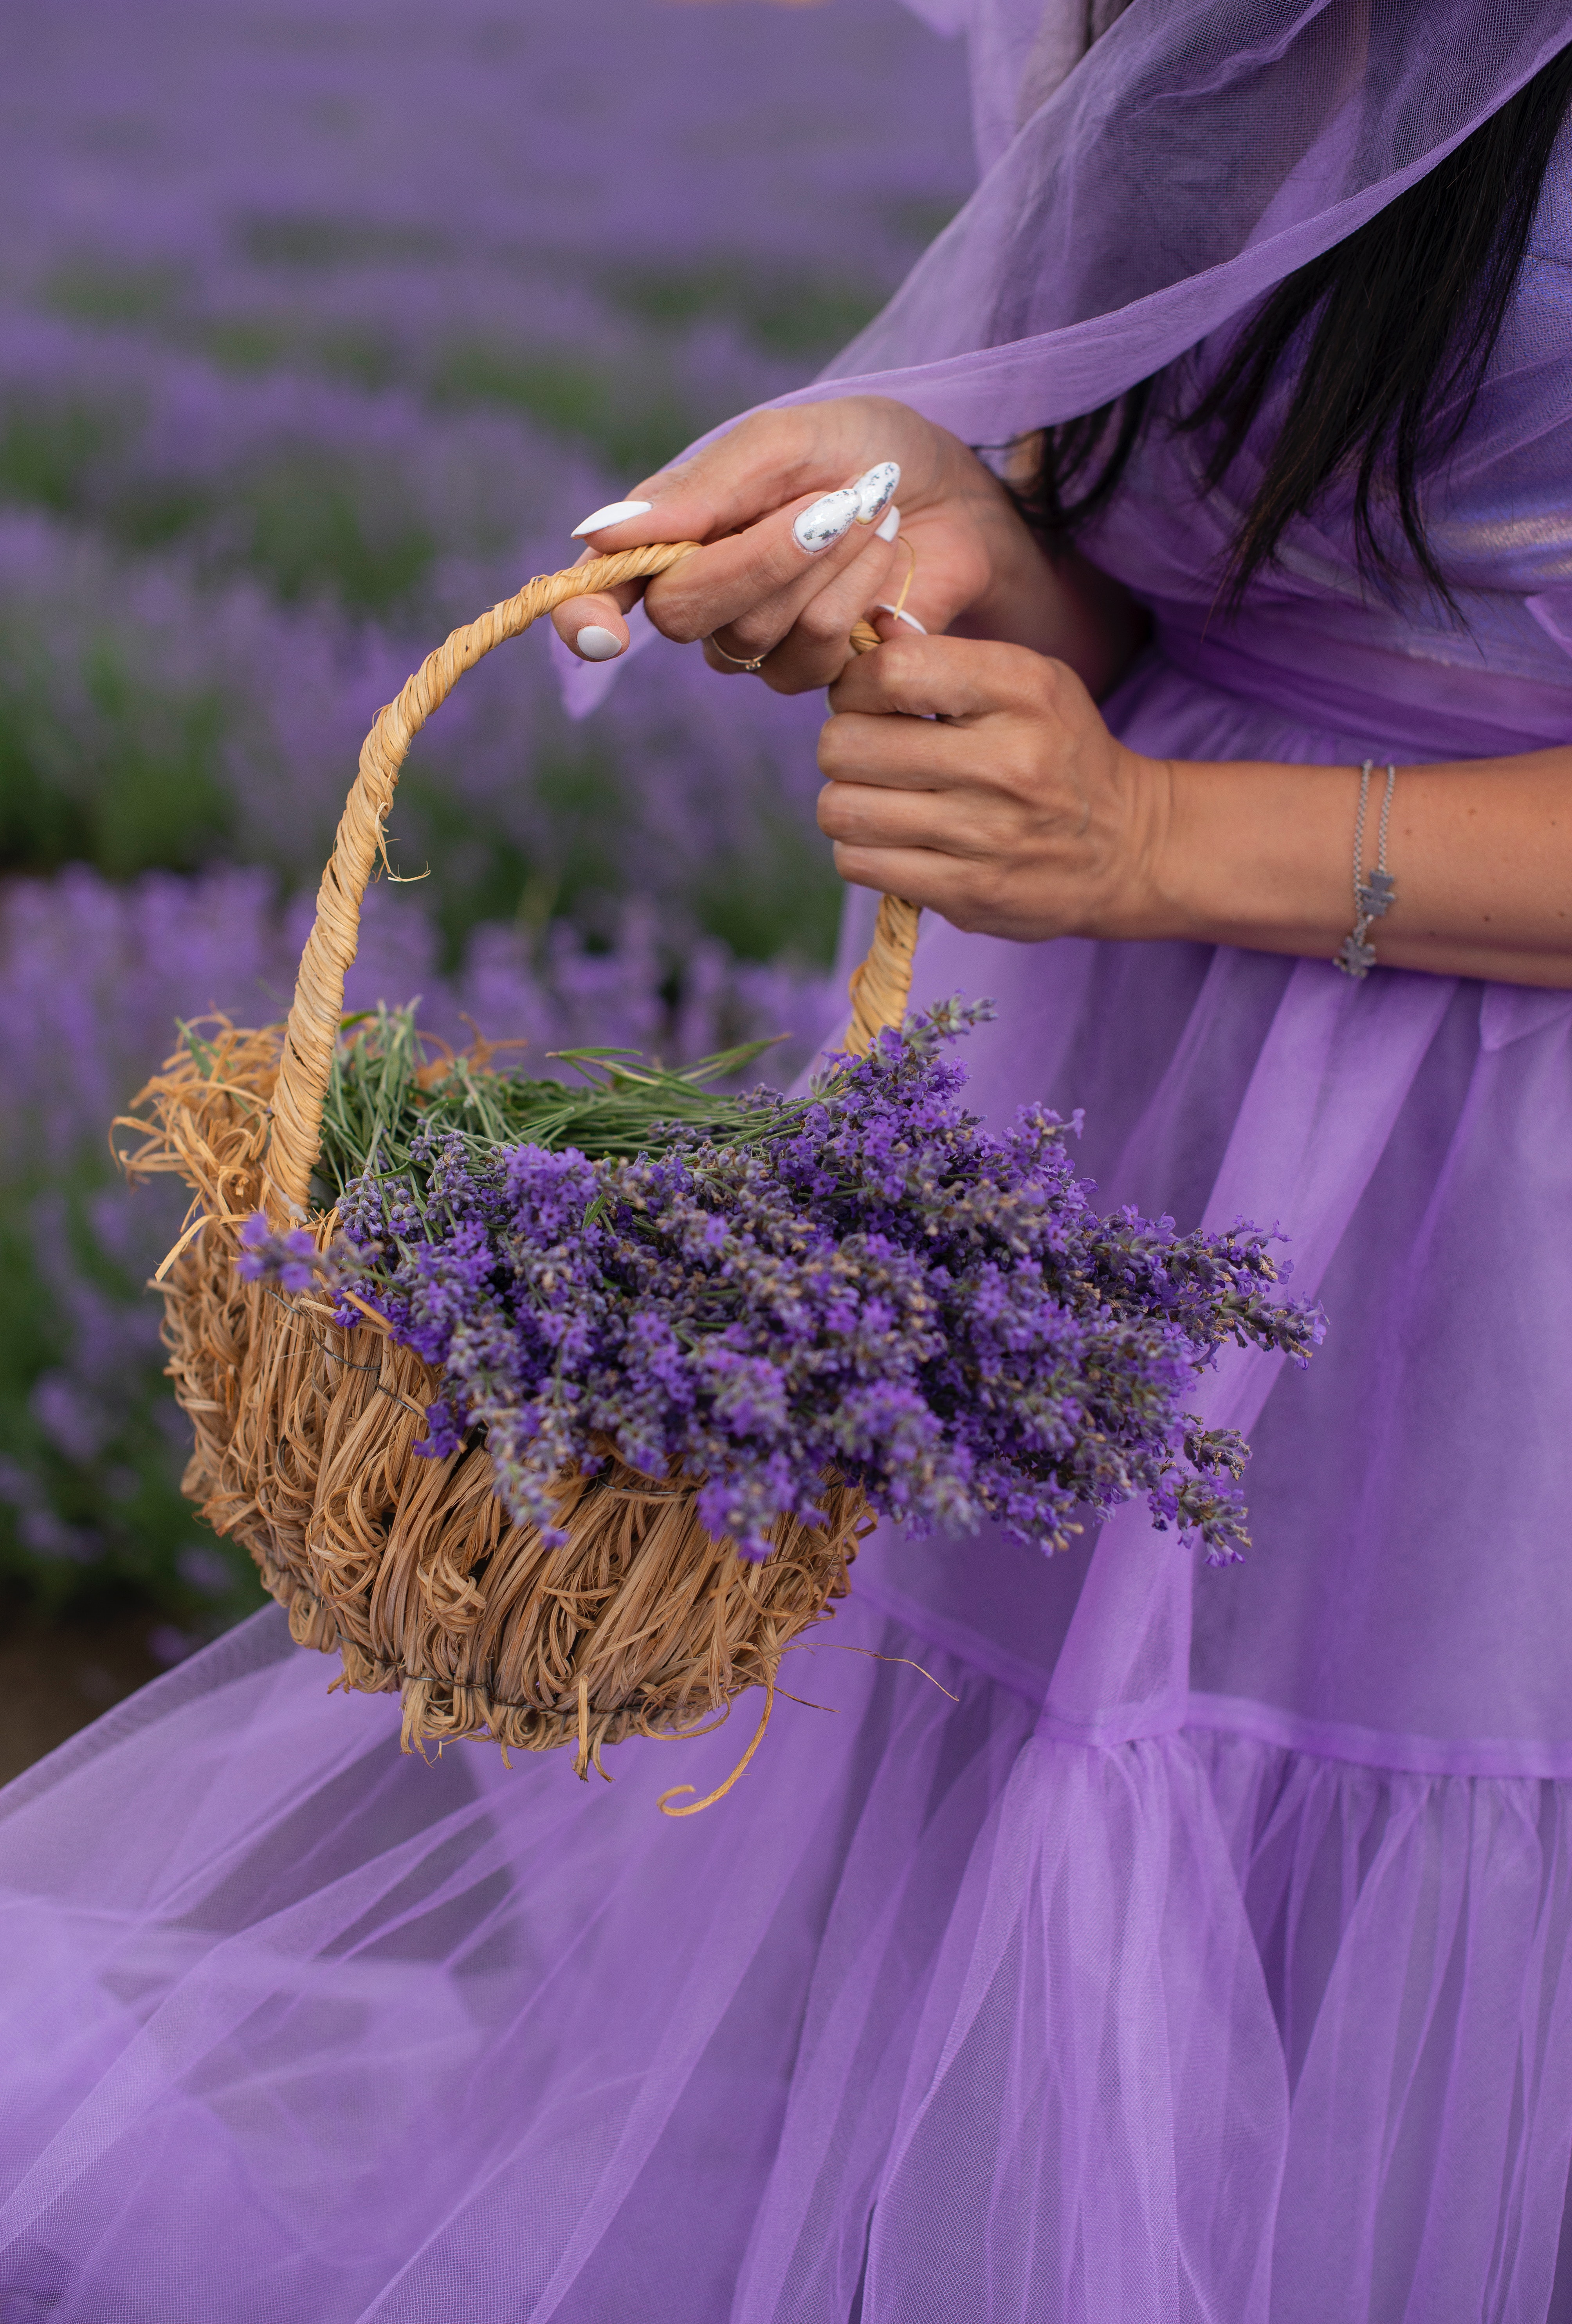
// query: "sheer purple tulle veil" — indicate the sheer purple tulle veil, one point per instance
point(1139, 192)
point(1201, 151)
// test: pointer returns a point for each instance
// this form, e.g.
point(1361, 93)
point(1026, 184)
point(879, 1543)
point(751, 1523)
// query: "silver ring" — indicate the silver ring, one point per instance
point(753, 667)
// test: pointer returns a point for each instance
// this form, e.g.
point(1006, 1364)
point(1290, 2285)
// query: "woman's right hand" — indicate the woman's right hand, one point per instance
point(758, 589)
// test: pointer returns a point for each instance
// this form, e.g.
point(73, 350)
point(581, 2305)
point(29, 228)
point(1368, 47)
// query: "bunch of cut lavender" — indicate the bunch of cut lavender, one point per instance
point(865, 1283)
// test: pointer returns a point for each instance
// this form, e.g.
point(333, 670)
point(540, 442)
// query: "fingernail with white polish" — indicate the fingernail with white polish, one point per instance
point(614, 512)
point(910, 620)
point(875, 490)
point(891, 525)
point(827, 521)
point(597, 644)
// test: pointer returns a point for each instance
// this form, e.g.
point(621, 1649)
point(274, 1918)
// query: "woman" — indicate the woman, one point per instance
point(1196, 1948)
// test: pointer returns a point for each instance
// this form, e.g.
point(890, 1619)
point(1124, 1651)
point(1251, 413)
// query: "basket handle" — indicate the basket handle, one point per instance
point(879, 987)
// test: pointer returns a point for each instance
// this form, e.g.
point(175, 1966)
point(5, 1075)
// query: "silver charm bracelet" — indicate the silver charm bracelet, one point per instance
point(1373, 896)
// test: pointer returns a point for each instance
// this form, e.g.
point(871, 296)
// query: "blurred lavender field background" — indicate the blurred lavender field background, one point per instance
point(321, 323)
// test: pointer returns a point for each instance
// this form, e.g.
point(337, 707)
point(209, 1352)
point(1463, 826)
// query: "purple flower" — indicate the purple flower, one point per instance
point(883, 1291)
point(290, 1260)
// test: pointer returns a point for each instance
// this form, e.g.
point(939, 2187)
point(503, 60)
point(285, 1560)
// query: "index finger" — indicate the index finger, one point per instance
point(769, 573)
point(954, 678)
point(758, 467)
point(764, 577)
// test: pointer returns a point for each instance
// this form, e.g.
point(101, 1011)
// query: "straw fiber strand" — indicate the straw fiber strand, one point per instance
point(306, 1433)
point(880, 985)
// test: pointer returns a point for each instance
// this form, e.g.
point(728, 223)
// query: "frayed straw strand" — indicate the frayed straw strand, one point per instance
point(697, 1807)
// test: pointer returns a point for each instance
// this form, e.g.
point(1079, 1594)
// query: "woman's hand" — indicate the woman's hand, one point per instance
point(758, 589)
point(981, 780)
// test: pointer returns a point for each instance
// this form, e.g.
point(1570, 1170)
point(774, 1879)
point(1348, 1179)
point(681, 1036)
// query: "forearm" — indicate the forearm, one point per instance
point(1261, 855)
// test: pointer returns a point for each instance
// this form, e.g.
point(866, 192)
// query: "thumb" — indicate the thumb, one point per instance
point(595, 627)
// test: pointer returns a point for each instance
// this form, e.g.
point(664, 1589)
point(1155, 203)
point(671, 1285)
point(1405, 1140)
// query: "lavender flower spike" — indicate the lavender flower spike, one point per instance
point(289, 1260)
point(869, 1287)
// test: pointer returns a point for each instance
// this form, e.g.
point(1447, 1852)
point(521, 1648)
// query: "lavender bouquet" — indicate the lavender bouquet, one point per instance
point(761, 1293)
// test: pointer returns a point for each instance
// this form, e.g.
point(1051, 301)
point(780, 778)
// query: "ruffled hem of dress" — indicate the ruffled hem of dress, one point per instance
point(941, 2016)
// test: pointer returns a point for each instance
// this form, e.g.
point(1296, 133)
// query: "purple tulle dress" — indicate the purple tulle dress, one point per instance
point(1174, 1946)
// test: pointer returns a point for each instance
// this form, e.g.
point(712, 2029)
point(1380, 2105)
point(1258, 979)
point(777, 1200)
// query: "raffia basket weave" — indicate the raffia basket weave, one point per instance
point(411, 1569)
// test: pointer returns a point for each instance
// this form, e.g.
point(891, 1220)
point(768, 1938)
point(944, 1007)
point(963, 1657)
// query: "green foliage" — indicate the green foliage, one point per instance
point(298, 238)
point(780, 901)
point(388, 1086)
point(115, 770)
point(300, 517)
point(568, 867)
point(91, 1446)
point(49, 446)
point(627, 412)
point(313, 531)
point(93, 289)
point(362, 354)
point(65, 454)
point(791, 311)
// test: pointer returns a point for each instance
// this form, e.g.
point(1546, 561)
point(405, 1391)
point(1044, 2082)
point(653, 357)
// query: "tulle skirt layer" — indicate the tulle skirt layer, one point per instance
point(935, 2016)
point(1166, 1950)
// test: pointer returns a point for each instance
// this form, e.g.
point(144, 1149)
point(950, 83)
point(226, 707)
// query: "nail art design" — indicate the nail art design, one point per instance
point(875, 490)
point(597, 644)
point(901, 614)
point(613, 512)
point(891, 524)
point(828, 520)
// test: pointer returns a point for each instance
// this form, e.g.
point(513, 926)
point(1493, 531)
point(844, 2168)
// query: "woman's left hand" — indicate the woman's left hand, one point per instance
point(981, 781)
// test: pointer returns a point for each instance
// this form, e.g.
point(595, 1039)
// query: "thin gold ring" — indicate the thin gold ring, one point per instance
point(753, 667)
point(899, 605)
point(756, 663)
point(883, 605)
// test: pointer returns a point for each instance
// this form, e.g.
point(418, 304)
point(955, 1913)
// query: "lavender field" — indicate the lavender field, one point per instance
point(321, 323)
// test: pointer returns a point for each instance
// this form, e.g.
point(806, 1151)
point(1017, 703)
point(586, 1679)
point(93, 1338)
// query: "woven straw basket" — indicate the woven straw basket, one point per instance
point(411, 1569)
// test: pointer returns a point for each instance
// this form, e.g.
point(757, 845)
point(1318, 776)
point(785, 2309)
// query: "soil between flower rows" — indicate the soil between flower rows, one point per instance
point(56, 1679)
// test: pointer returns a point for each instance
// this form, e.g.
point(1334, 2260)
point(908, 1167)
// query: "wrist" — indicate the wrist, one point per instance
point(1143, 902)
point(1255, 854)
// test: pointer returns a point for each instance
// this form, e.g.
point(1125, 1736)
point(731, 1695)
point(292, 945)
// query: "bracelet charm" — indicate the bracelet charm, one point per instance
point(1374, 893)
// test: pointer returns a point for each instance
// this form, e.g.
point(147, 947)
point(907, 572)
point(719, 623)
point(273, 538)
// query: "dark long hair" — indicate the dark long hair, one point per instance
point(1391, 332)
